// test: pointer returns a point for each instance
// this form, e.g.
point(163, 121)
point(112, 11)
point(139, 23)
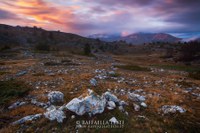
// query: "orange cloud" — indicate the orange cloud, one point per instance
point(40, 12)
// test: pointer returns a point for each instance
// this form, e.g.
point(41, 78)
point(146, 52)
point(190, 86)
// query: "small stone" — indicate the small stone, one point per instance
point(93, 82)
point(136, 97)
point(21, 73)
point(122, 103)
point(111, 97)
point(136, 107)
point(111, 104)
point(121, 108)
point(143, 104)
point(73, 116)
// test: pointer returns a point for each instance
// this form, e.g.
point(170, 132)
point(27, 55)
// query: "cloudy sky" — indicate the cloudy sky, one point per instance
point(87, 17)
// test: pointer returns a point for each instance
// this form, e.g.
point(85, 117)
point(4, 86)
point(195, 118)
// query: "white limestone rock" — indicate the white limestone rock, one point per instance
point(110, 97)
point(136, 97)
point(93, 82)
point(111, 104)
point(16, 104)
point(92, 104)
point(55, 114)
point(27, 118)
point(136, 107)
point(166, 109)
point(143, 104)
point(56, 97)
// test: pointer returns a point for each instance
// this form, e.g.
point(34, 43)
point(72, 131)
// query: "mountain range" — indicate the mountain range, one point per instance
point(137, 38)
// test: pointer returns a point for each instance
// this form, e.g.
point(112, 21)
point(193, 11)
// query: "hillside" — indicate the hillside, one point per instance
point(28, 36)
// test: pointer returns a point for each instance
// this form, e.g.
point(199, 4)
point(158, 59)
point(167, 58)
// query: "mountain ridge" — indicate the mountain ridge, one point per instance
point(138, 38)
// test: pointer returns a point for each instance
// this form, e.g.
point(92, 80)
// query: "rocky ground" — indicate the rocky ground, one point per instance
point(133, 93)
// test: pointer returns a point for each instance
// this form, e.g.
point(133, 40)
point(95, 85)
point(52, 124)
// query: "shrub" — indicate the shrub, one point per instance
point(87, 49)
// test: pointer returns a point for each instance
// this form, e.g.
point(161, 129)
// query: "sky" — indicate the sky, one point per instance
point(86, 17)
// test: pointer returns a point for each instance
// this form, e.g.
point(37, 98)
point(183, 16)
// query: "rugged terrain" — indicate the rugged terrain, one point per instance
point(145, 82)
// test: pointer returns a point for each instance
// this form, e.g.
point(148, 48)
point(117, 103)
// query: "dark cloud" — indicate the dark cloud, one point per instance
point(111, 15)
point(123, 2)
point(7, 15)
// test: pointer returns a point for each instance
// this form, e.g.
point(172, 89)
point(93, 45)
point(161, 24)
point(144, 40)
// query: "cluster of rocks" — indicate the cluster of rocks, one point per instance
point(167, 109)
point(139, 101)
point(91, 105)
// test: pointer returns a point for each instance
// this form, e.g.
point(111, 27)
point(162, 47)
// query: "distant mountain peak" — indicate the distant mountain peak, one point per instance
point(138, 38)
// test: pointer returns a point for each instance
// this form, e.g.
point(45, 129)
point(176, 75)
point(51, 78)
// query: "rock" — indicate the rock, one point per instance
point(16, 104)
point(111, 104)
point(75, 105)
point(126, 113)
point(113, 120)
point(90, 91)
point(121, 108)
point(111, 73)
point(122, 103)
point(172, 109)
point(143, 104)
point(93, 82)
point(136, 107)
point(21, 73)
point(27, 118)
point(92, 104)
point(136, 97)
point(39, 104)
point(73, 116)
point(111, 97)
point(55, 114)
point(55, 96)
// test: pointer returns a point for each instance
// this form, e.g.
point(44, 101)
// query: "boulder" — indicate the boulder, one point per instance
point(55, 96)
point(92, 104)
point(166, 109)
point(55, 114)
point(27, 118)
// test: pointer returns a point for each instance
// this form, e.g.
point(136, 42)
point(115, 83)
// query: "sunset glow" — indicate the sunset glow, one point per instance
point(86, 17)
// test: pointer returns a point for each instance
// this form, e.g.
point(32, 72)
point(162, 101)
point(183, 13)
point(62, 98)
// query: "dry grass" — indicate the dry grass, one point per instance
point(77, 82)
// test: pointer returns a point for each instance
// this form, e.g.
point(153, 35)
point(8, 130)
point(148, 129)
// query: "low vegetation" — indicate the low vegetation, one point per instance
point(132, 67)
point(12, 89)
point(195, 75)
point(179, 67)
